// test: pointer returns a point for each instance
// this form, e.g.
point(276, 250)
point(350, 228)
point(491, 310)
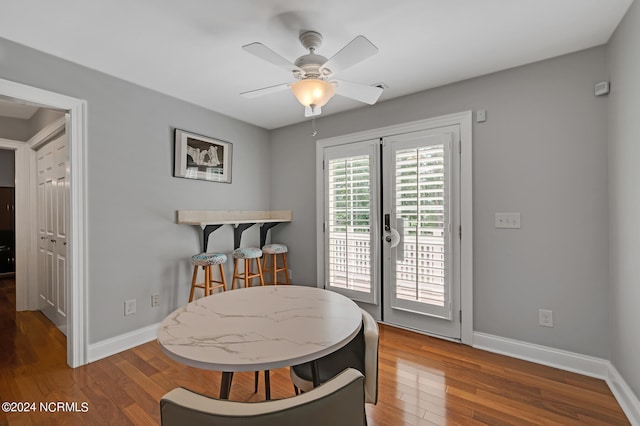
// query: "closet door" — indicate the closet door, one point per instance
point(52, 195)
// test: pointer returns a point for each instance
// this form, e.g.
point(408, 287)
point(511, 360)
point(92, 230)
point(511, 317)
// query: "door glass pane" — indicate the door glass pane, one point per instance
point(420, 202)
point(349, 223)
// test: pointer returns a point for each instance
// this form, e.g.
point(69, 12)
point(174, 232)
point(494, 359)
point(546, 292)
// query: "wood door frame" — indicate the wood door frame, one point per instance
point(462, 119)
point(77, 273)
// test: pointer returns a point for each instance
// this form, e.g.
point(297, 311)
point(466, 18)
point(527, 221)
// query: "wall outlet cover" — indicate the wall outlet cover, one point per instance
point(545, 317)
point(129, 307)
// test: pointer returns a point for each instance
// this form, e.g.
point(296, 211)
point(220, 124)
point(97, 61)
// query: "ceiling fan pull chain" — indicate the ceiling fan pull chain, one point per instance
point(314, 131)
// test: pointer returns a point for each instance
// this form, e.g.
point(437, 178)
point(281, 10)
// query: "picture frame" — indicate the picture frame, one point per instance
point(201, 157)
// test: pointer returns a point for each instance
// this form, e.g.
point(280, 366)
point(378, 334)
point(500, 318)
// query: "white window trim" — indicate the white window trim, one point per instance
point(464, 121)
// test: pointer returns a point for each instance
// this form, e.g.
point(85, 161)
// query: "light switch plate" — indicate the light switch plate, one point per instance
point(508, 220)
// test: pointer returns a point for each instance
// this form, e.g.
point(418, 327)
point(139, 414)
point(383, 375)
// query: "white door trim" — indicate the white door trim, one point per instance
point(78, 264)
point(462, 119)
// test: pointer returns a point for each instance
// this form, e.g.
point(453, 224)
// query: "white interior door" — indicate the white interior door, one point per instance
point(421, 214)
point(52, 199)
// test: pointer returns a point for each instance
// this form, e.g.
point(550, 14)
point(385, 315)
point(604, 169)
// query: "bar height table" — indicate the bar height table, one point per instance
point(210, 220)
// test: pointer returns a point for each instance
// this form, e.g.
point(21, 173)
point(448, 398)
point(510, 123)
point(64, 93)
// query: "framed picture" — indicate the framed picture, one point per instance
point(201, 157)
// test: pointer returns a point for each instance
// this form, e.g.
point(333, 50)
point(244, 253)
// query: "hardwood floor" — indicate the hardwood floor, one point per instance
point(422, 381)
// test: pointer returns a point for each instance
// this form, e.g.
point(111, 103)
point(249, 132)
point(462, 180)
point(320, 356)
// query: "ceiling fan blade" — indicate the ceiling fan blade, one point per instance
point(356, 51)
point(359, 92)
point(263, 52)
point(265, 91)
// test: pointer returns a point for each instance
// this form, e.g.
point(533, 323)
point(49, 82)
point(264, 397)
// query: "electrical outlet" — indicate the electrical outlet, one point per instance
point(129, 307)
point(545, 317)
point(290, 275)
point(155, 300)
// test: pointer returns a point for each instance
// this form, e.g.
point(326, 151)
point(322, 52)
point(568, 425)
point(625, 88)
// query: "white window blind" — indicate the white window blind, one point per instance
point(421, 203)
point(351, 197)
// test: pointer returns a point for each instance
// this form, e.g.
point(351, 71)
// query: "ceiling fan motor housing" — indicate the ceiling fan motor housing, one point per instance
point(310, 64)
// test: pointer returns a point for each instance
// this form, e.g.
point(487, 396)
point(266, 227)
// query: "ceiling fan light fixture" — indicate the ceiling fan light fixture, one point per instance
point(313, 91)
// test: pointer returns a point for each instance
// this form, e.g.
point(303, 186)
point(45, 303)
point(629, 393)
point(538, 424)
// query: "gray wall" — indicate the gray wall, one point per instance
point(14, 129)
point(135, 246)
point(7, 168)
point(542, 153)
point(623, 58)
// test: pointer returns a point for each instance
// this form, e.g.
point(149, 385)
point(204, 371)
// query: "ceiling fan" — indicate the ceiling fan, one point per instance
point(315, 83)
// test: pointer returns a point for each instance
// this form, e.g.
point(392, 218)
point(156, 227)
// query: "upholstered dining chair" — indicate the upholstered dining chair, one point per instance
point(361, 353)
point(338, 402)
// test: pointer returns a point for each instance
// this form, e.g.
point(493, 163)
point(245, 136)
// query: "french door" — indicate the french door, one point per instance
point(391, 224)
point(351, 228)
point(421, 251)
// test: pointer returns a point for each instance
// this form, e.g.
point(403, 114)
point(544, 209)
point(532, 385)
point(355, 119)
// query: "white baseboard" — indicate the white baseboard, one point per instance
point(121, 343)
point(569, 361)
point(557, 358)
point(624, 395)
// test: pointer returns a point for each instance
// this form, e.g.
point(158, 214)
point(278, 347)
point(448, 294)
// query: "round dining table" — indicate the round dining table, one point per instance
point(259, 328)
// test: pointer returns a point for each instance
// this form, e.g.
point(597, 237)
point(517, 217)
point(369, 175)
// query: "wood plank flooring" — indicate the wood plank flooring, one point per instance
point(422, 381)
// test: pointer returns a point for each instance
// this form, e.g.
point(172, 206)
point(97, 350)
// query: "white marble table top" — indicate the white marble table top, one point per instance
point(259, 328)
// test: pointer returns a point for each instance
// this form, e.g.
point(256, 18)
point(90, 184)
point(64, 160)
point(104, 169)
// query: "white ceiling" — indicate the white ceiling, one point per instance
point(191, 49)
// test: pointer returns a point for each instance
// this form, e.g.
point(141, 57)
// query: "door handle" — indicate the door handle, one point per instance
point(392, 237)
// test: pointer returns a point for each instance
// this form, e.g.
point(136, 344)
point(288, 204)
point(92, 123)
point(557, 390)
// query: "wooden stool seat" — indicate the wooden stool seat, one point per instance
point(272, 251)
point(206, 261)
point(246, 254)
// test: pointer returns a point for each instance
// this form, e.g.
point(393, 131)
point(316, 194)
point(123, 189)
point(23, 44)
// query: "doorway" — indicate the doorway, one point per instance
point(391, 210)
point(7, 213)
point(26, 248)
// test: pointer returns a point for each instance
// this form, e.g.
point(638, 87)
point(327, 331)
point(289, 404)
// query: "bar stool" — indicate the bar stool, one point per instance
point(273, 250)
point(246, 254)
point(207, 260)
